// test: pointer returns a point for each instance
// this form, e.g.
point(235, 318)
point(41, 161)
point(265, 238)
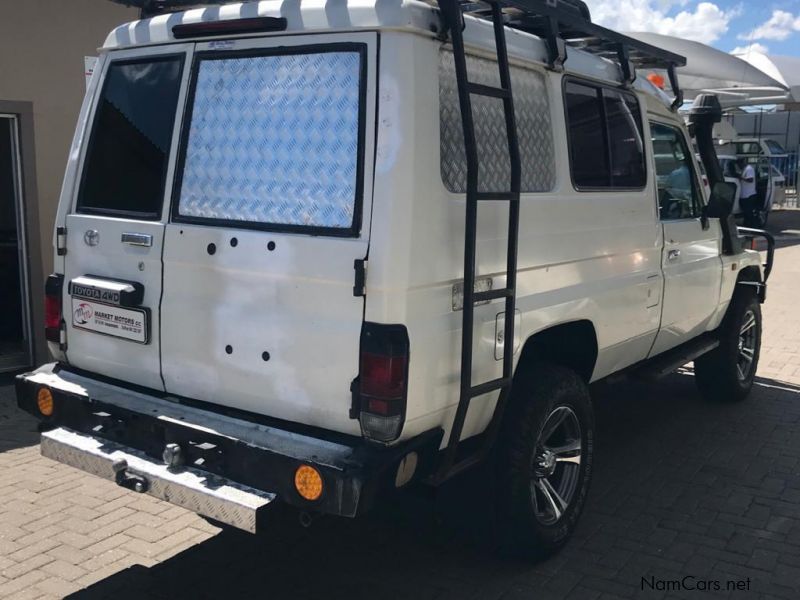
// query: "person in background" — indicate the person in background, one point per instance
point(748, 199)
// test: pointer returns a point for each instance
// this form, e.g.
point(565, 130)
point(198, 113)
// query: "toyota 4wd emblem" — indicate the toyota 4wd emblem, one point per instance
point(91, 237)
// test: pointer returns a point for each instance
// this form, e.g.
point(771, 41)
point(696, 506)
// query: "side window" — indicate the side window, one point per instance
point(764, 168)
point(606, 146)
point(730, 168)
point(625, 139)
point(678, 196)
point(534, 128)
point(126, 161)
point(588, 149)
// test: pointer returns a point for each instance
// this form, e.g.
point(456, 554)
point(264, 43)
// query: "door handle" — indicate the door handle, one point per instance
point(137, 239)
point(673, 254)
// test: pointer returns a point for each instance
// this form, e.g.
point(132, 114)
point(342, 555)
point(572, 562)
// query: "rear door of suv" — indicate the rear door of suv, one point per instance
point(115, 227)
point(270, 210)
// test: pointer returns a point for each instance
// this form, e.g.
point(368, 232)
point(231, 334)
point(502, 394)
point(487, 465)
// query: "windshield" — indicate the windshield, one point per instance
point(748, 148)
point(775, 147)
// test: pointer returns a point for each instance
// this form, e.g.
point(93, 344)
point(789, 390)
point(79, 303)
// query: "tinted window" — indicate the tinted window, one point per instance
point(677, 188)
point(587, 143)
point(625, 140)
point(775, 147)
point(730, 168)
point(127, 158)
point(748, 148)
point(605, 137)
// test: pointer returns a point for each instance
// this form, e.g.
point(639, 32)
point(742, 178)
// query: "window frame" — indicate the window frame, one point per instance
point(698, 196)
point(567, 79)
point(157, 56)
point(354, 231)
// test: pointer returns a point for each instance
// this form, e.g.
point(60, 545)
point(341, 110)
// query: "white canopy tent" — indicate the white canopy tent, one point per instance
point(736, 82)
point(784, 69)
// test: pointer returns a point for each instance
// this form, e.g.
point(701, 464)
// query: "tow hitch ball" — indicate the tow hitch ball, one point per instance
point(129, 480)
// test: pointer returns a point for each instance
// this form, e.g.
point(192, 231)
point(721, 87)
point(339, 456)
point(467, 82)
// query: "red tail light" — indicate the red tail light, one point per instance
point(383, 377)
point(52, 307)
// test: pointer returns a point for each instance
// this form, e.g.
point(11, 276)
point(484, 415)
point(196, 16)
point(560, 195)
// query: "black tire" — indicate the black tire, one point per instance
point(527, 525)
point(724, 375)
point(757, 219)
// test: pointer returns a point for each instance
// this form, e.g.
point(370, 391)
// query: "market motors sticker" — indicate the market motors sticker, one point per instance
point(126, 323)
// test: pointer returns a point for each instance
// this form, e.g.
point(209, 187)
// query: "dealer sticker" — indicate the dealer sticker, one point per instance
point(126, 323)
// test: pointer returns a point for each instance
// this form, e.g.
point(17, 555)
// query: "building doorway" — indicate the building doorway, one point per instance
point(16, 344)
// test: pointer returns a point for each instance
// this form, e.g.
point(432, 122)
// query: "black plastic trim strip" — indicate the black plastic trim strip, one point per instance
point(228, 27)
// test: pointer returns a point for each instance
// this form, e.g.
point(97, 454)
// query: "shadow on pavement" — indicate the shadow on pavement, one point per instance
point(17, 429)
point(681, 486)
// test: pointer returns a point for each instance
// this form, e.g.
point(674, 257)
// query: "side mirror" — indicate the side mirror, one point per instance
point(720, 204)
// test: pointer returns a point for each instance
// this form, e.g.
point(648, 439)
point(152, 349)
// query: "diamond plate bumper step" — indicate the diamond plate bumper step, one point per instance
point(216, 497)
point(225, 465)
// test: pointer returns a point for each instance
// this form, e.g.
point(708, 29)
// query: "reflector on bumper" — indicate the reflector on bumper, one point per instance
point(216, 497)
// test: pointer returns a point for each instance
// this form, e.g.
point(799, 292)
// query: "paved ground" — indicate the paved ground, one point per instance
point(682, 488)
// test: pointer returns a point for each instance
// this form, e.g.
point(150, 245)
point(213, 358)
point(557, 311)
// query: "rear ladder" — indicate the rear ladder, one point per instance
point(452, 17)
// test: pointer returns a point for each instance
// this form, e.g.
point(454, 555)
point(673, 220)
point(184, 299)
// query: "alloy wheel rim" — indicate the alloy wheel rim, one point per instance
point(555, 468)
point(747, 346)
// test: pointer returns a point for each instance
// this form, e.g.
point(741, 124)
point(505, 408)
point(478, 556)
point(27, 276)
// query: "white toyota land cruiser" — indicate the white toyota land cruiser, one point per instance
point(308, 252)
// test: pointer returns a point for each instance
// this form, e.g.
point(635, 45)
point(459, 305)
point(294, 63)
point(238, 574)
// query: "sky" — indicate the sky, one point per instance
point(770, 26)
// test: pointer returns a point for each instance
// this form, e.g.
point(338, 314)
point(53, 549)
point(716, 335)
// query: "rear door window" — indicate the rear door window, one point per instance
point(275, 140)
point(126, 161)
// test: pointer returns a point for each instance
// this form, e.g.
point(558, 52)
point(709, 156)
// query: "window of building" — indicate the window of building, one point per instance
point(126, 160)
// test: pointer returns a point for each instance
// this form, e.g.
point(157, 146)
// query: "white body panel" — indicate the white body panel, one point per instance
point(599, 257)
point(693, 276)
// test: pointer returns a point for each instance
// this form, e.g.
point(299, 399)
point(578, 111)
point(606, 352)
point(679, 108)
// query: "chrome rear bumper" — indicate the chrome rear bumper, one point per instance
point(201, 492)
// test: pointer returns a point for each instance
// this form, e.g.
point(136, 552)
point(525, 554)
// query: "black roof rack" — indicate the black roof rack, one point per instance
point(558, 22)
point(151, 8)
point(562, 22)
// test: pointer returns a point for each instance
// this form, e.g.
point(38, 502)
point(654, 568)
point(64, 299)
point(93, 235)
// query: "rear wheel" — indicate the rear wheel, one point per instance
point(727, 373)
point(544, 461)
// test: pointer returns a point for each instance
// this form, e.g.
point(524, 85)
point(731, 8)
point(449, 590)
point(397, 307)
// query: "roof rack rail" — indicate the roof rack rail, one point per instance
point(151, 8)
point(558, 22)
point(568, 22)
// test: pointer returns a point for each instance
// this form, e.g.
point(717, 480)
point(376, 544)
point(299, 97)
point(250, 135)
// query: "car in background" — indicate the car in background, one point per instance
point(777, 155)
point(779, 186)
point(770, 185)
